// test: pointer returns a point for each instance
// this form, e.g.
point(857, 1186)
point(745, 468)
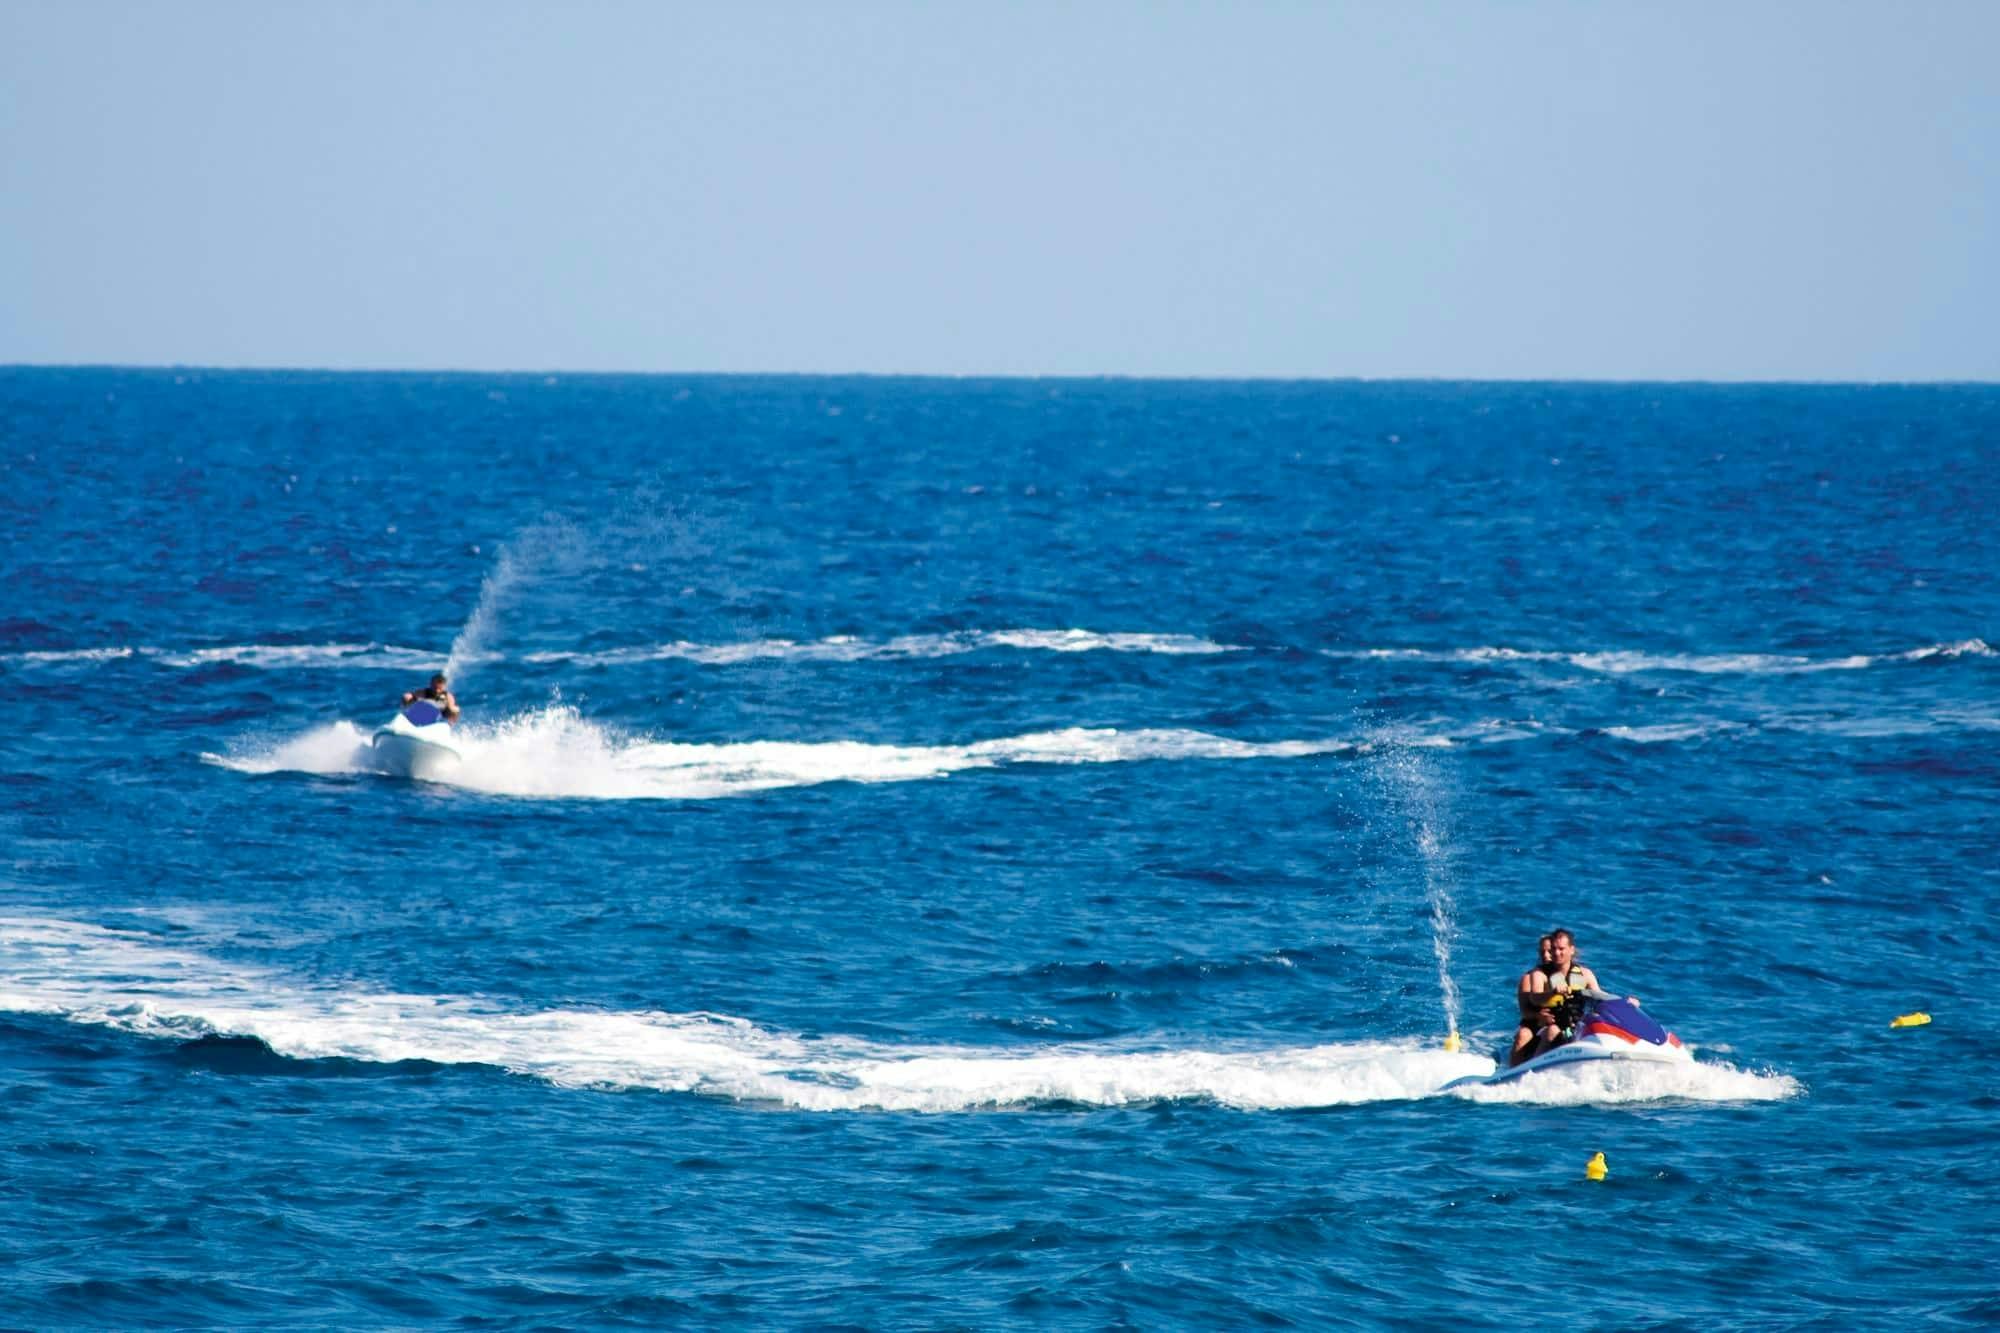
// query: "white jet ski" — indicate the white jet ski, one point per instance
point(417, 743)
point(1610, 1029)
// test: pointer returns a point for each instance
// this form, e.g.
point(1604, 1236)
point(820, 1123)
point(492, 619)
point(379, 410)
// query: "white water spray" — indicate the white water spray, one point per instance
point(642, 528)
point(547, 547)
point(1418, 796)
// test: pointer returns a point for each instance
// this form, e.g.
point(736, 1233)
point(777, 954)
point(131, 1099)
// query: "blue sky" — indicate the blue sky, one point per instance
point(1507, 190)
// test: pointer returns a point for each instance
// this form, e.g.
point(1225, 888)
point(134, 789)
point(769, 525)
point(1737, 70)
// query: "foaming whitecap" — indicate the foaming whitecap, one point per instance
point(1621, 662)
point(50, 656)
point(849, 648)
point(272, 656)
point(473, 650)
point(1667, 732)
point(300, 656)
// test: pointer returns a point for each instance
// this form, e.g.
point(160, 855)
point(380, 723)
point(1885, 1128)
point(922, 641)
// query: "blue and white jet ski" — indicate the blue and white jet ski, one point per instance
point(417, 743)
point(1610, 1029)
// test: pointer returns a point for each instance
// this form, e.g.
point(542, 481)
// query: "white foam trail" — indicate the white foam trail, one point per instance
point(301, 656)
point(1857, 728)
point(473, 647)
point(1664, 732)
point(1085, 641)
point(124, 980)
point(290, 656)
point(54, 655)
point(127, 981)
point(1613, 662)
point(848, 648)
point(1962, 648)
point(554, 752)
point(1714, 664)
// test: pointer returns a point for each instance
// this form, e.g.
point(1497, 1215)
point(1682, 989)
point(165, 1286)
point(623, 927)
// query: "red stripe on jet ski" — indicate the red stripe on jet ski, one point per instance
point(1599, 1027)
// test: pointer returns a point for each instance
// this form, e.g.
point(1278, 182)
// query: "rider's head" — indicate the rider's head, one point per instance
point(1542, 951)
point(1562, 947)
point(438, 681)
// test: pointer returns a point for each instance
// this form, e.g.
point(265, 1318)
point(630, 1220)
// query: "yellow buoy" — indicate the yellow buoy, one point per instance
point(1909, 1020)
point(1594, 1170)
point(1451, 1042)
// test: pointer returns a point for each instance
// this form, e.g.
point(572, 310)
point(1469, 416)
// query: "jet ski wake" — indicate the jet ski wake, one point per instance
point(554, 753)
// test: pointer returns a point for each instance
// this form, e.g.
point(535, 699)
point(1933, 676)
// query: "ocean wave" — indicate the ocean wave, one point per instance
point(836, 648)
point(61, 655)
point(1668, 732)
point(849, 648)
point(1620, 662)
point(917, 647)
point(302, 656)
point(271, 656)
point(554, 752)
point(127, 981)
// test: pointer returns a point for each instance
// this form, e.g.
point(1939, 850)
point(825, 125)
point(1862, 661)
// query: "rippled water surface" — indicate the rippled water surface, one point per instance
point(958, 853)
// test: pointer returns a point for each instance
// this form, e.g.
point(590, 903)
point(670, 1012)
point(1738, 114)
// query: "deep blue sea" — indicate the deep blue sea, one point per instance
point(969, 854)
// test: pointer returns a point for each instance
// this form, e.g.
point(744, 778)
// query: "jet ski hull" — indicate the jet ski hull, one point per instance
point(1610, 1030)
point(425, 753)
point(1589, 1050)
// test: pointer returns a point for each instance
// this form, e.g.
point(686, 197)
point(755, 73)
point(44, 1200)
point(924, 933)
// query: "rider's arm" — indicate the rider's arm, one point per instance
point(1534, 1003)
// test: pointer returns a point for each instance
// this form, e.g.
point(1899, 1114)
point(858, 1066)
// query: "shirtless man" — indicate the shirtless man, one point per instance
point(1549, 999)
point(1527, 995)
point(437, 692)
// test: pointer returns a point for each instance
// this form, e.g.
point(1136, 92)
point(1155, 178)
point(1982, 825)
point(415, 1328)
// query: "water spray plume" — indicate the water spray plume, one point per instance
point(1417, 794)
point(642, 528)
point(547, 547)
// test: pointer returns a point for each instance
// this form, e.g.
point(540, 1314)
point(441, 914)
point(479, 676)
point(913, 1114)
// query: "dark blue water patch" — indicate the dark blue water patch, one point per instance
point(18, 632)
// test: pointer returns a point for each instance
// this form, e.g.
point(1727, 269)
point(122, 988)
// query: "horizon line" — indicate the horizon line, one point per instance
point(1026, 376)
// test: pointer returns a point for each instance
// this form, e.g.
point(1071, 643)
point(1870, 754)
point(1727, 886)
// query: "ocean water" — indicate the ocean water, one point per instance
point(951, 853)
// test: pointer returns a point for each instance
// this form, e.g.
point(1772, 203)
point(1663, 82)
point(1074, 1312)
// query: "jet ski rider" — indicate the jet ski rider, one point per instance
point(437, 692)
point(1534, 1017)
point(1551, 998)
